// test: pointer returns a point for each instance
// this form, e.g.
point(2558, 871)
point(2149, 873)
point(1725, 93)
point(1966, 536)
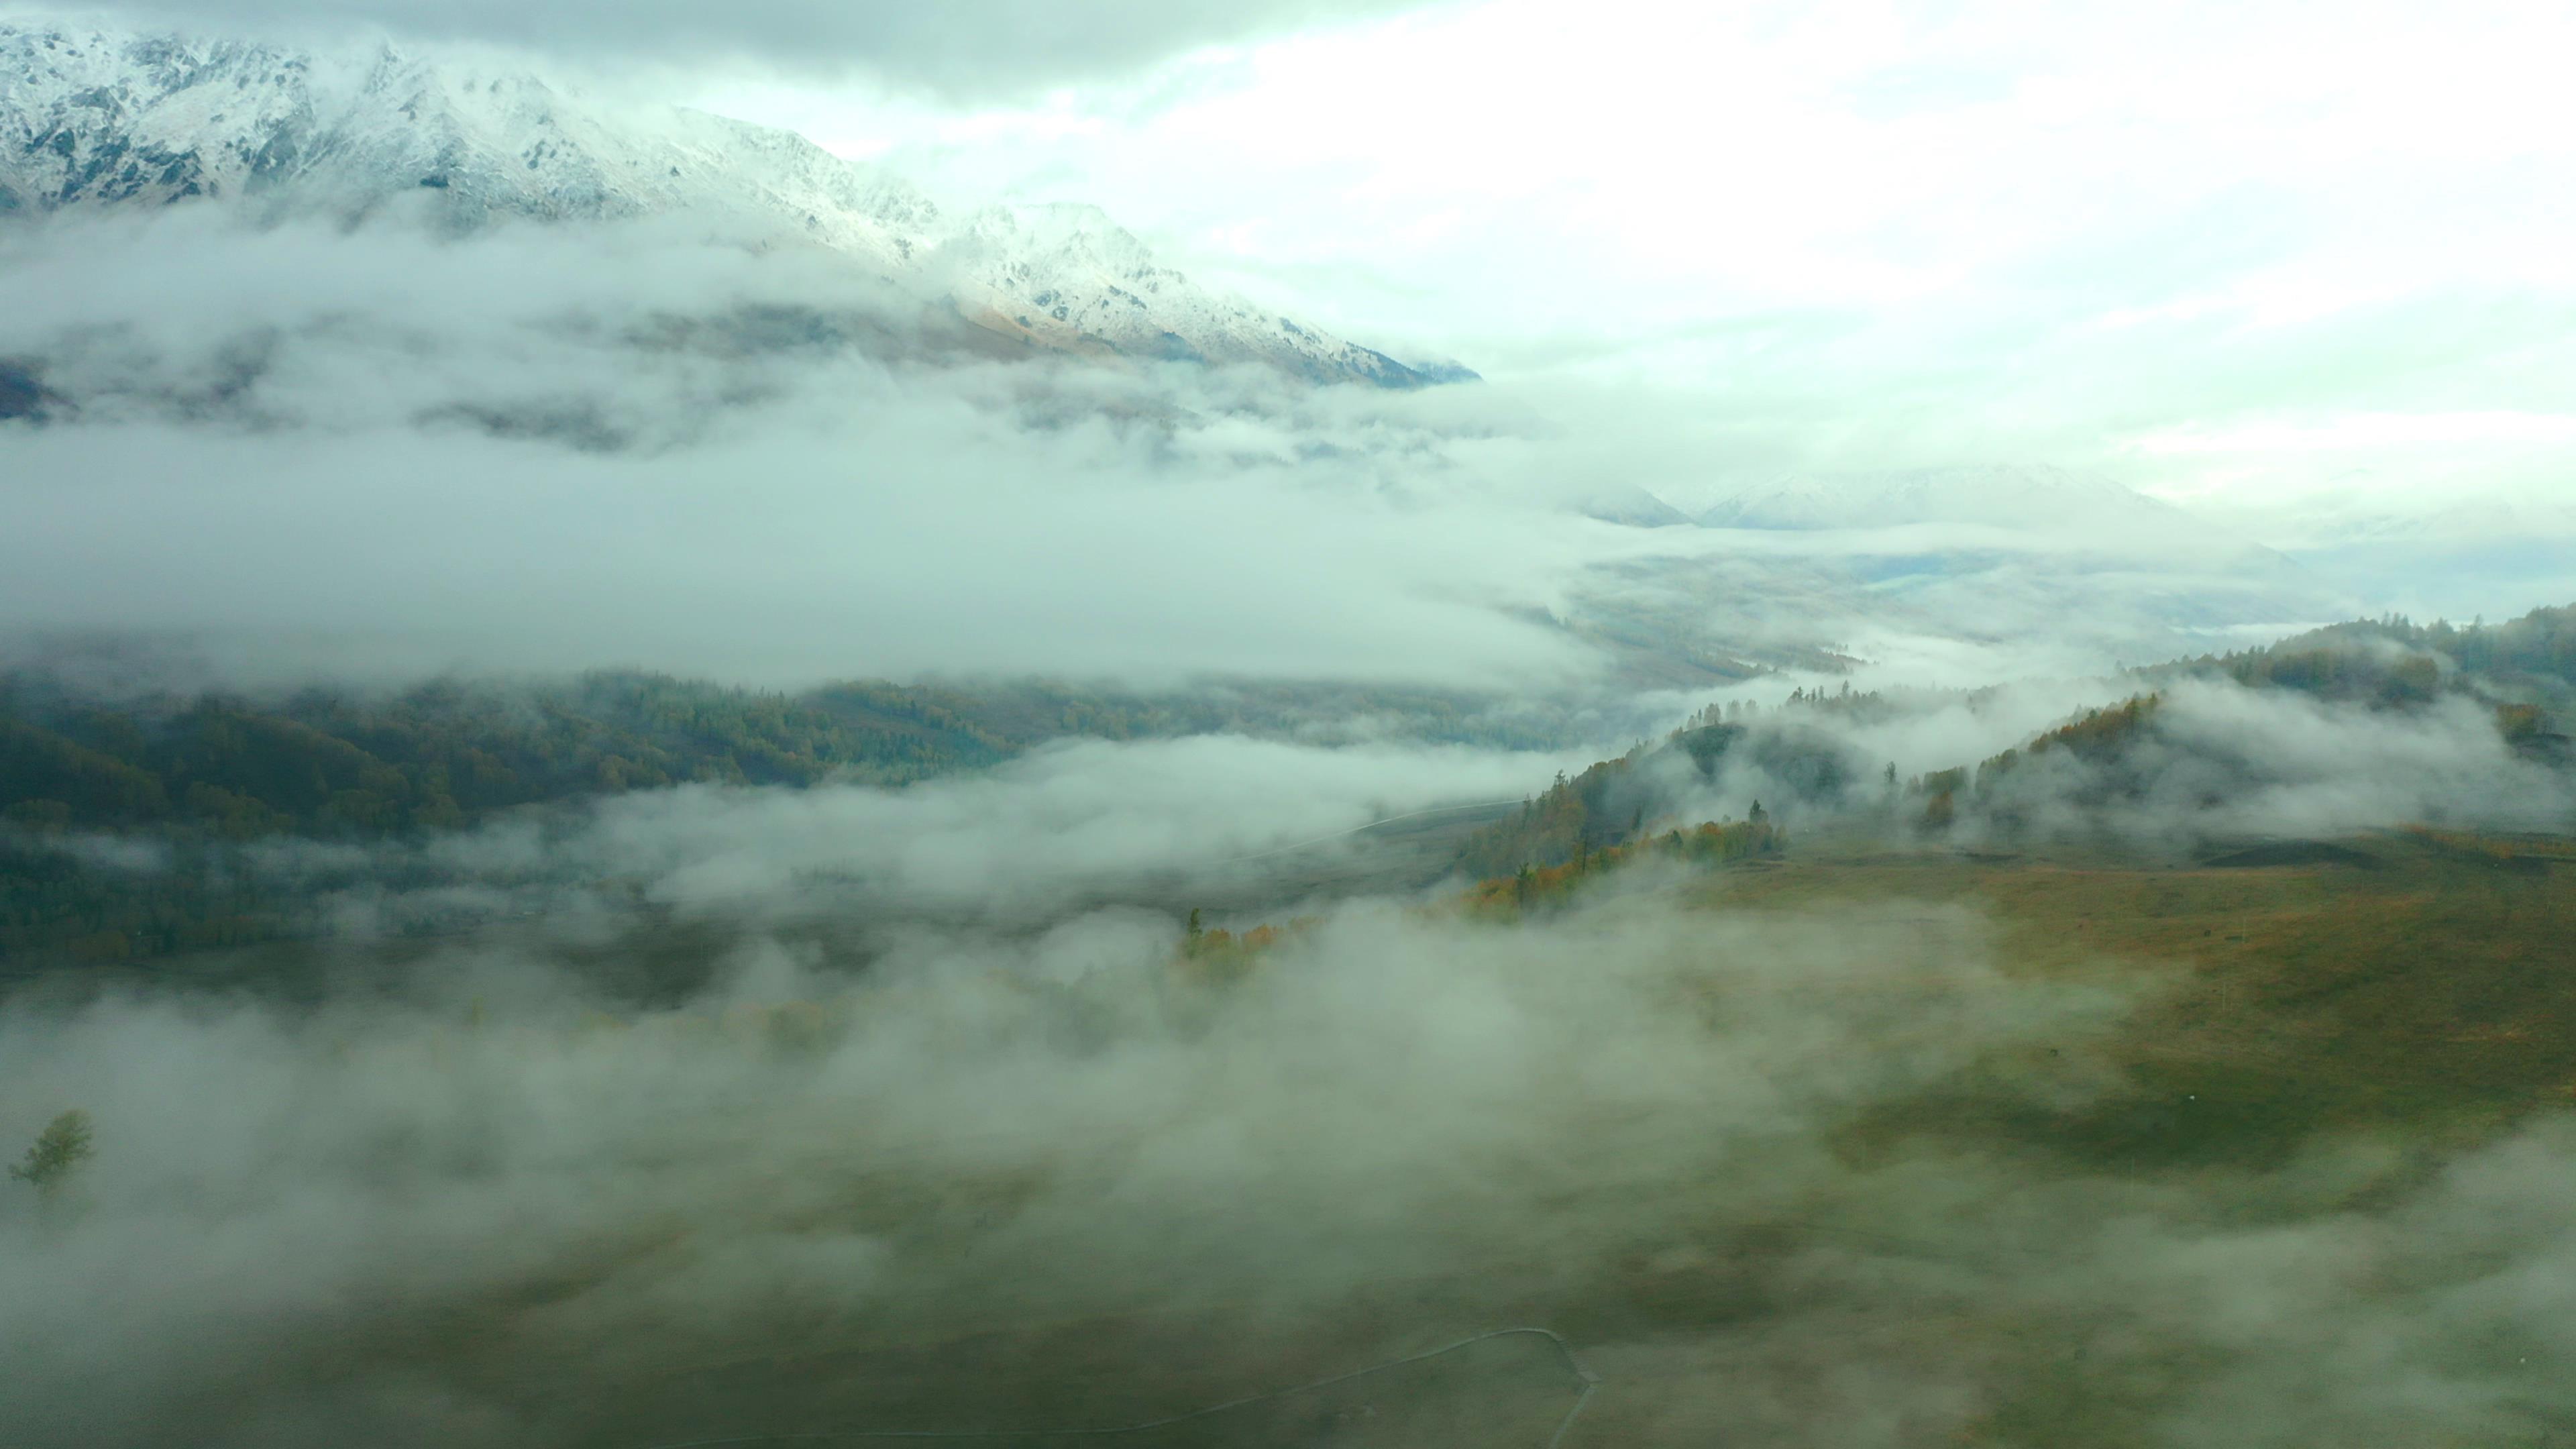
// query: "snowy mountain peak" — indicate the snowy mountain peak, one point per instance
point(91, 119)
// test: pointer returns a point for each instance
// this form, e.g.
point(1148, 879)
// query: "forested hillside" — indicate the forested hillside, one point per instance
point(1618, 802)
point(2396, 661)
point(121, 818)
point(446, 754)
point(2521, 673)
point(119, 814)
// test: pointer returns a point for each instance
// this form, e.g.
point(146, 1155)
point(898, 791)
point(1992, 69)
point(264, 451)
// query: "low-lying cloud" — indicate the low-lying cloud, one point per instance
point(1068, 825)
point(500, 1208)
point(974, 1136)
point(380, 452)
point(2220, 761)
point(436, 454)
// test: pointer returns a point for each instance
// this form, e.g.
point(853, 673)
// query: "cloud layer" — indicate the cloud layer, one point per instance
point(1871, 235)
point(374, 451)
point(974, 49)
point(1064, 1176)
point(557, 448)
point(976, 1133)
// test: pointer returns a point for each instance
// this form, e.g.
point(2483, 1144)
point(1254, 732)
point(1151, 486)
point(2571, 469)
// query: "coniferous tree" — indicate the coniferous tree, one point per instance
point(61, 1147)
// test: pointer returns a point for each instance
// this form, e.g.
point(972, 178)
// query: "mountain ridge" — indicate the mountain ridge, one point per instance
point(93, 119)
point(2009, 495)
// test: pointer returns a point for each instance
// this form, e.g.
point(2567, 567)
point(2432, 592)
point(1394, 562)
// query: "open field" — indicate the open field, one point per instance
point(2409, 978)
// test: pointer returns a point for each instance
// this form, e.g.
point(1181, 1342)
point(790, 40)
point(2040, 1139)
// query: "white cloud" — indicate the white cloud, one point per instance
point(1952, 232)
point(2369, 430)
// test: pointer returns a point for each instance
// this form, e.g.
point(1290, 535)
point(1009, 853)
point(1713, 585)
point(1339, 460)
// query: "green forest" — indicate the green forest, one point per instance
point(195, 776)
point(448, 754)
point(2396, 661)
point(2525, 670)
point(187, 779)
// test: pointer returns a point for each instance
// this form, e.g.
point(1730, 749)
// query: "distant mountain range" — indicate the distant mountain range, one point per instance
point(2022, 498)
point(91, 119)
point(1975, 553)
point(2001, 495)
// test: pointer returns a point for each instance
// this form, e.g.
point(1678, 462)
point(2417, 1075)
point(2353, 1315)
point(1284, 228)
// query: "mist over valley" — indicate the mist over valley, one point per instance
point(1043, 724)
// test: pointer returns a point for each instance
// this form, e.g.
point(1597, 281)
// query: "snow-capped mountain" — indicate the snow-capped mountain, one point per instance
point(2026, 498)
point(91, 119)
point(1630, 506)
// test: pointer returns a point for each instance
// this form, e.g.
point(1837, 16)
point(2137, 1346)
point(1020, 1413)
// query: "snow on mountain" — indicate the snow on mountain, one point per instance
point(1630, 506)
point(91, 119)
point(2029, 498)
point(1067, 277)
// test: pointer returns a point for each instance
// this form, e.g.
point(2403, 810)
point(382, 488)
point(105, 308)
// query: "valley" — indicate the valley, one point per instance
point(1324, 724)
point(2291, 1048)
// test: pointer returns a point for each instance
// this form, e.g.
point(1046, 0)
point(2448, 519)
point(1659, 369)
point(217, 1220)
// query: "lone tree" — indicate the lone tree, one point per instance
point(62, 1146)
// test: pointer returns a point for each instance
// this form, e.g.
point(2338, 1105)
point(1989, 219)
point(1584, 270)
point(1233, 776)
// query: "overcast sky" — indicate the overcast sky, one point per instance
point(2248, 254)
point(2299, 267)
point(2242, 250)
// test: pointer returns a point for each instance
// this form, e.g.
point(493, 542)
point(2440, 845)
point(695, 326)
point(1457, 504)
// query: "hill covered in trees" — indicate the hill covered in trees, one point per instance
point(2138, 760)
point(1645, 792)
point(450, 753)
point(2517, 675)
point(123, 816)
point(2396, 661)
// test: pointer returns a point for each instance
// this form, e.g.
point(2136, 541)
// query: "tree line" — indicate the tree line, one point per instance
point(196, 775)
point(444, 754)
